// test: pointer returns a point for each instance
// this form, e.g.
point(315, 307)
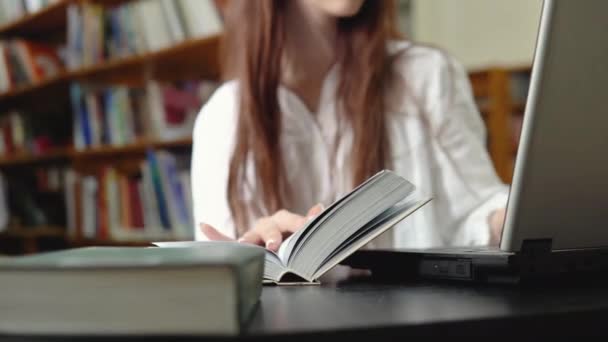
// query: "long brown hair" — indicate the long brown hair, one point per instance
point(252, 52)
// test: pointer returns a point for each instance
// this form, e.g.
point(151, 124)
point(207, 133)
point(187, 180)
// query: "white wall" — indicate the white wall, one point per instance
point(480, 33)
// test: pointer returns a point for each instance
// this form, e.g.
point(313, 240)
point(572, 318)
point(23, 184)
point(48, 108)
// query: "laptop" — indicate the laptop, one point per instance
point(557, 213)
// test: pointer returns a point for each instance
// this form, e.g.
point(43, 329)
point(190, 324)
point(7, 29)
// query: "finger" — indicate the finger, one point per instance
point(213, 234)
point(354, 272)
point(497, 234)
point(252, 237)
point(315, 210)
point(288, 222)
point(270, 232)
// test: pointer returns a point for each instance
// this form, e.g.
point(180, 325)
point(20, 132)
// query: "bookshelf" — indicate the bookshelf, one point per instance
point(181, 60)
point(27, 240)
point(194, 57)
point(188, 58)
point(30, 159)
point(49, 18)
point(501, 94)
point(136, 148)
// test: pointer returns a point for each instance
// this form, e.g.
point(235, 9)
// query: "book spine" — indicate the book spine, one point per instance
point(158, 189)
point(74, 39)
point(137, 214)
point(70, 202)
point(126, 220)
point(173, 20)
point(78, 132)
point(152, 213)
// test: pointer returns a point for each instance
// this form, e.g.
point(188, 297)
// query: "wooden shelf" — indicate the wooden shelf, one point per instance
point(19, 159)
point(61, 154)
point(139, 147)
point(51, 17)
point(194, 58)
point(35, 232)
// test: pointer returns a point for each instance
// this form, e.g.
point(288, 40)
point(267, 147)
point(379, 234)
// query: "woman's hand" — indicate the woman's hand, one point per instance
point(497, 219)
point(268, 231)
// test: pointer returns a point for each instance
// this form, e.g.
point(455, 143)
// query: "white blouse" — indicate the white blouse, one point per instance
point(437, 138)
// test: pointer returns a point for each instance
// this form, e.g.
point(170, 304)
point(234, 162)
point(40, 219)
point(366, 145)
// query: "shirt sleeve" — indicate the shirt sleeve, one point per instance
point(475, 191)
point(213, 141)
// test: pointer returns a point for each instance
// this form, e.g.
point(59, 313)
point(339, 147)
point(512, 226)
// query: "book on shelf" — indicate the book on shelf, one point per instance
point(131, 291)
point(25, 62)
point(519, 84)
point(150, 204)
point(344, 227)
point(36, 197)
point(23, 133)
point(97, 33)
point(13, 10)
point(118, 115)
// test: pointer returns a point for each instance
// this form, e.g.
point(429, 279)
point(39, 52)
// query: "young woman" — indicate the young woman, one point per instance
point(319, 96)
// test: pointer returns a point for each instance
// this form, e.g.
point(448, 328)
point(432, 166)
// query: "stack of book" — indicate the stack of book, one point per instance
point(25, 62)
point(96, 33)
point(153, 204)
point(117, 116)
point(11, 10)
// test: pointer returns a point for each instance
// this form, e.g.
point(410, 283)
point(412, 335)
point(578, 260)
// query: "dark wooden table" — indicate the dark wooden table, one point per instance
point(391, 311)
point(375, 310)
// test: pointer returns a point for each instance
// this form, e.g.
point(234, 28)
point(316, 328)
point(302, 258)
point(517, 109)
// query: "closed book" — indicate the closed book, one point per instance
point(33, 6)
point(136, 207)
point(75, 28)
point(17, 66)
point(173, 20)
point(156, 31)
point(94, 117)
point(213, 290)
point(153, 171)
point(90, 215)
point(6, 82)
point(152, 214)
point(40, 61)
point(70, 179)
point(125, 203)
point(201, 17)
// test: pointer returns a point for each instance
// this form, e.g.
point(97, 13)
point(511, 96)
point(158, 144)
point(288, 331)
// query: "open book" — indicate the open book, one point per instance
point(344, 227)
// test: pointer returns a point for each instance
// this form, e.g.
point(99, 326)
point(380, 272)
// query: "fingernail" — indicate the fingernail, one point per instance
point(271, 244)
point(205, 228)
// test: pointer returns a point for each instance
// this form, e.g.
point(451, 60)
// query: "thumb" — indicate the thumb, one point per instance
point(315, 210)
point(213, 234)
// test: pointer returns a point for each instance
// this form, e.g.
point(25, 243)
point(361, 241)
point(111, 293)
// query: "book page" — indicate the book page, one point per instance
point(387, 220)
point(367, 204)
point(297, 242)
point(273, 267)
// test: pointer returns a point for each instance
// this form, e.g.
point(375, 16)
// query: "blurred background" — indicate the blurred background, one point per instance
point(98, 100)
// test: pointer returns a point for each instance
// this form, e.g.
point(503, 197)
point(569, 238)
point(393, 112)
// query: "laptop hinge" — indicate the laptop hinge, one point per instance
point(536, 247)
point(534, 256)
